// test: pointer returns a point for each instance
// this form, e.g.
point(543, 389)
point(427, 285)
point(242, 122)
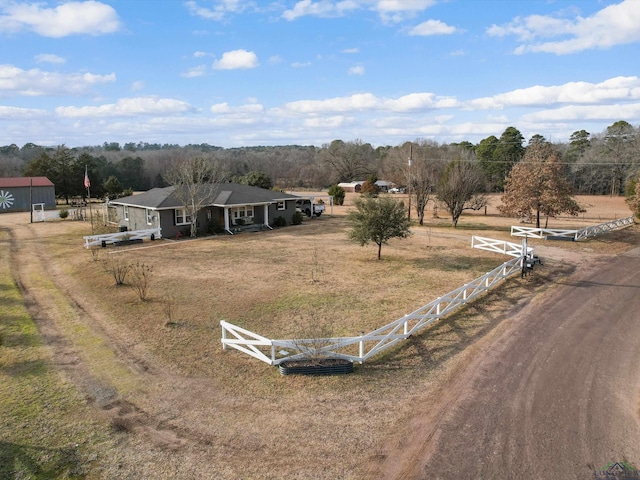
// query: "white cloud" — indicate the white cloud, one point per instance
point(17, 113)
point(301, 64)
point(390, 11)
point(35, 82)
point(219, 10)
point(71, 18)
point(127, 107)
point(325, 122)
point(613, 25)
point(613, 89)
point(137, 86)
point(236, 59)
point(319, 9)
point(369, 102)
point(193, 72)
point(432, 27)
point(244, 110)
point(394, 11)
point(351, 50)
point(611, 112)
point(356, 70)
point(49, 58)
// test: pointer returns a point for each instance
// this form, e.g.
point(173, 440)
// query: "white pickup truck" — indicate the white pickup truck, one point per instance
point(304, 205)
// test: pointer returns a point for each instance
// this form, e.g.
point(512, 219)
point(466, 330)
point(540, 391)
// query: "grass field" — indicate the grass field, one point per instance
point(176, 395)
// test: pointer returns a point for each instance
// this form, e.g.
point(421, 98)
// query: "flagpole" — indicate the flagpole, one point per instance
point(87, 184)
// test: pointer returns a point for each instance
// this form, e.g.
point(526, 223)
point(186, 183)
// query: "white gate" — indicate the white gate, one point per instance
point(39, 214)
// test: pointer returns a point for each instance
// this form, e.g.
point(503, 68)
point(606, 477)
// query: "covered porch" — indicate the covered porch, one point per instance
point(241, 218)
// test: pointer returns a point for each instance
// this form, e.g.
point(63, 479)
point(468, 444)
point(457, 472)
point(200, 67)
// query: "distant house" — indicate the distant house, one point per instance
point(356, 187)
point(235, 207)
point(384, 186)
point(351, 186)
point(17, 194)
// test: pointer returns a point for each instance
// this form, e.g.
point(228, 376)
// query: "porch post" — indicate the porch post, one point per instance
point(226, 218)
point(266, 215)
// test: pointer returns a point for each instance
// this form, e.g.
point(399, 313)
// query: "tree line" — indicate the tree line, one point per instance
point(600, 163)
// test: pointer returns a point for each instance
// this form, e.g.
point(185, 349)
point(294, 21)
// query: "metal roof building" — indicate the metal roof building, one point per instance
point(17, 194)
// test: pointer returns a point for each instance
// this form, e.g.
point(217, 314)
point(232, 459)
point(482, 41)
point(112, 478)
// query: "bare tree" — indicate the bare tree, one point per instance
point(620, 148)
point(349, 161)
point(140, 279)
point(461, 187)
point(427, 167)
point(117, 266)
point(313, 337)
point(197, 184)
point(537, 186)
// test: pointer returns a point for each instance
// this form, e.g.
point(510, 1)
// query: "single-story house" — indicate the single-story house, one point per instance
point(235, 207)
point(356, 187)
point(18, 194)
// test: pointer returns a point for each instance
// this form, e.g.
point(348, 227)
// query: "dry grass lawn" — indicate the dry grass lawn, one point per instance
point(231, 416)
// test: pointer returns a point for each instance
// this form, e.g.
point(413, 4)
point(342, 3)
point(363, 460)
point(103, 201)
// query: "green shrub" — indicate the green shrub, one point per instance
point(64, 213)
point(214, 227)
point(296, 218)
point(279, 222)
point(338, 194)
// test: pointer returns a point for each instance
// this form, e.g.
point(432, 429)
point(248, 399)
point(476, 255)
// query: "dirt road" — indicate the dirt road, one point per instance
point(555, 397)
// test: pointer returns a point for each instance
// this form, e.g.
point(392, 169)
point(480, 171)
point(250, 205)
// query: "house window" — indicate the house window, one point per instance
point(209, 215)
point(245, 213)
point(281, 205)
point(126, 212)
point(148, 214)
point(181, 217)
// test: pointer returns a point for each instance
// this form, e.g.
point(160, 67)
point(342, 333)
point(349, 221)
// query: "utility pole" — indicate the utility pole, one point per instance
point(410, 162)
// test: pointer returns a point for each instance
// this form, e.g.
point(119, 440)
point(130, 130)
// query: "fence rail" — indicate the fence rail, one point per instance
point(110, 238)
point(362, 347)
point(575, 235)
point(500, 246)
point(588, 232)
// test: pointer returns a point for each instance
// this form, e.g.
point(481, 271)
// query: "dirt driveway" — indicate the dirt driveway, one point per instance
point(556, 396)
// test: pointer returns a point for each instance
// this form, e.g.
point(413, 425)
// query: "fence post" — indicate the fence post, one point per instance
point(224, 337)
point(361, 349)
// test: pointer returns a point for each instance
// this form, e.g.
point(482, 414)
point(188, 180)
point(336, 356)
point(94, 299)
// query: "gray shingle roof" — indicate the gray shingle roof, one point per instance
point(230, 194)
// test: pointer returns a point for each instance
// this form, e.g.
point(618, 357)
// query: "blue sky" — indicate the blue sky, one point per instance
point(240, 73)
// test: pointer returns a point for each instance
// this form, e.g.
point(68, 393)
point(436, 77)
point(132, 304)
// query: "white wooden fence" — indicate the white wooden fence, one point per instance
point(45, 215)
point(109, 238)
point(603, 228)
point(500, 246)
point(362, 347)
point(575, 235)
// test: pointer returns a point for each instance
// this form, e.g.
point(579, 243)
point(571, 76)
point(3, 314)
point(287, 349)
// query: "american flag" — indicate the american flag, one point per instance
point(87, 183)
